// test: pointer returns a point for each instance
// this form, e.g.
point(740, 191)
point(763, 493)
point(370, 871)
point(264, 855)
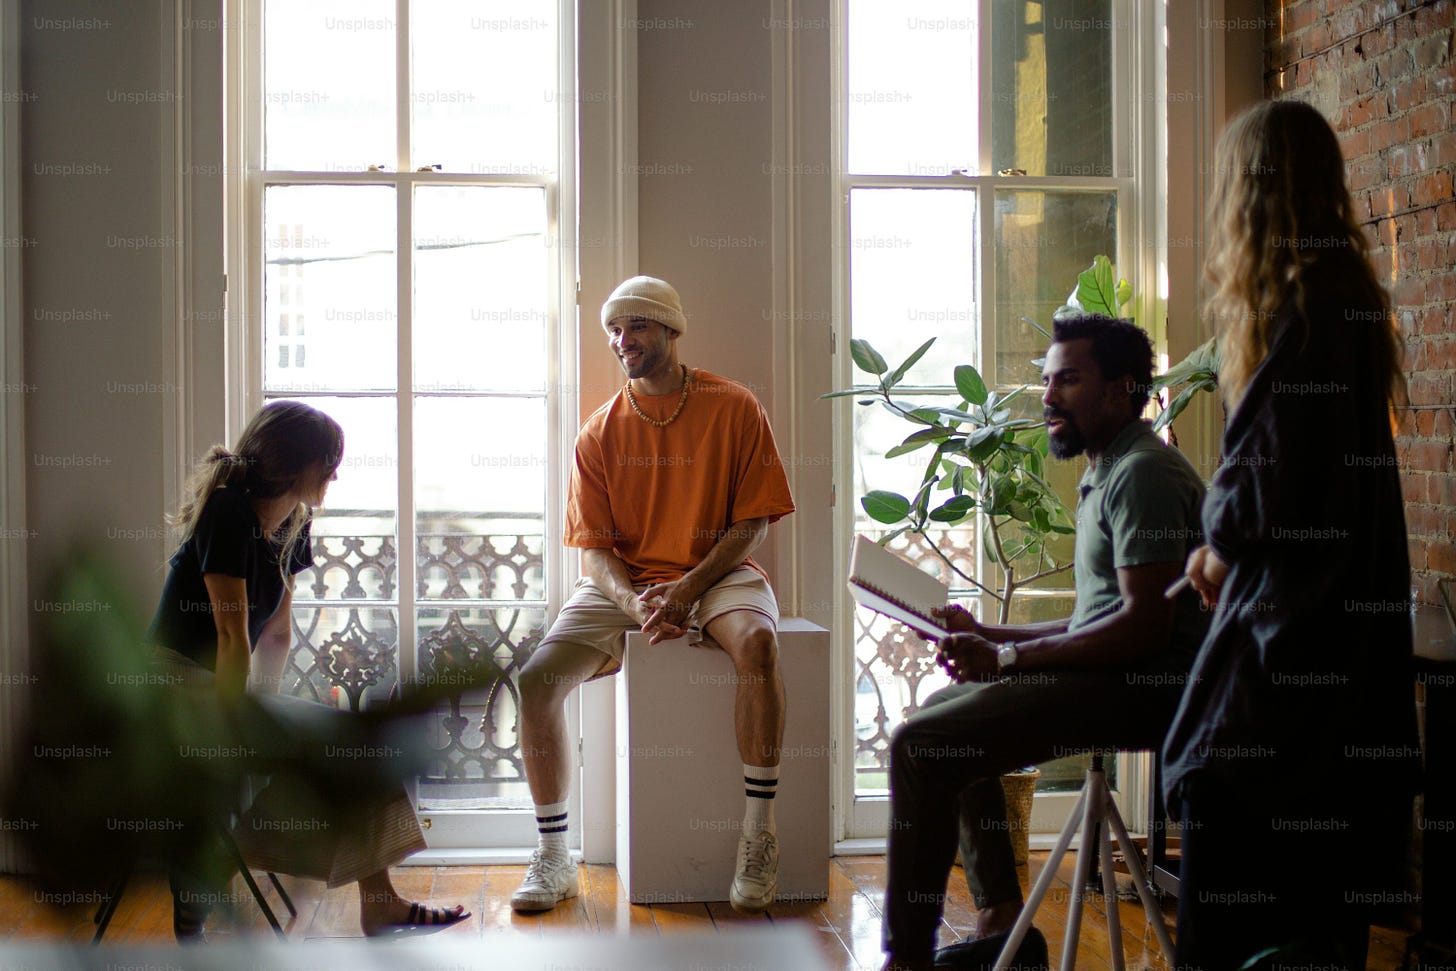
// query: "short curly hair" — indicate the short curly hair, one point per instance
point(1119, 346)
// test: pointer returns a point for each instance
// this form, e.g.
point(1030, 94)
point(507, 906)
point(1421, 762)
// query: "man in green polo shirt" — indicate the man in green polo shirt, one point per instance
point(1108, 677)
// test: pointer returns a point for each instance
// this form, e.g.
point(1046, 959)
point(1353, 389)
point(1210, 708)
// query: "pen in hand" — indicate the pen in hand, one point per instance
point(1177, 587)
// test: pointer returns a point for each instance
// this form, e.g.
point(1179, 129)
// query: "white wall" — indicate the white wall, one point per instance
point(716, 190)
point(98, 282)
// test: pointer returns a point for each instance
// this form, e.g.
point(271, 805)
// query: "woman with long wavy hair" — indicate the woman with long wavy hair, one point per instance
point(226, 609)
point(1292, 759)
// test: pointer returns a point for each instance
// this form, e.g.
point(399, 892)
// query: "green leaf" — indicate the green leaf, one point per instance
point(885, 539)
point(917, 440)
point(857, 389)
point(953, 509)
point(987, 543)
point(969, 383)
point(1124, 293)
point(958, 480)
point(866, 401)
point(909, 362)
point(1037, 327)
point(1203, 362)
point(921, 505)
point(1013, 395)
point(1041, 520)
point(1176, 406)
point(1097, 289)
point(1019, 511)
point(907, 411)
point(955, 413)
point(885, 507)
point(1002, 492)
point(984, 449)
point(866, 358)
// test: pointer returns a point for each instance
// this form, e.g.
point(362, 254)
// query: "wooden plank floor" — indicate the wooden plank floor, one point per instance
point(847, 924)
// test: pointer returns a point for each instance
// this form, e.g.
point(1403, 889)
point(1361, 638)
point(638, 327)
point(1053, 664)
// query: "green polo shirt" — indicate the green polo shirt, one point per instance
point(1140, 503)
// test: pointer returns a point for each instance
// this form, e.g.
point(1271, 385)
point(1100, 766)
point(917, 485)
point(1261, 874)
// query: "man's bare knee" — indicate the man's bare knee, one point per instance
point(757, 653)
point(547, 678)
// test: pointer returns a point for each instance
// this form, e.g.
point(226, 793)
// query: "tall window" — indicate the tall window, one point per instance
point(987, 153)
point(408, 166)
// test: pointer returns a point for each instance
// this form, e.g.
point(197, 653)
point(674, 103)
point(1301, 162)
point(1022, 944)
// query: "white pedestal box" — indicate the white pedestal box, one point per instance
point(680, 790)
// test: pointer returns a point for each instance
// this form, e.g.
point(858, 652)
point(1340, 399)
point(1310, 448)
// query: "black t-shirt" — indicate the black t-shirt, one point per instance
point(228, 540)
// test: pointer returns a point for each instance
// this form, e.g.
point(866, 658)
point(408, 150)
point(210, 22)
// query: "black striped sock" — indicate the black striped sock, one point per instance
point(551, 826)
point(761, 784)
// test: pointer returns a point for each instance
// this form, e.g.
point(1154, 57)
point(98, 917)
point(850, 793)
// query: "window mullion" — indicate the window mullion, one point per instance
point(985, 97)
point(404, 395)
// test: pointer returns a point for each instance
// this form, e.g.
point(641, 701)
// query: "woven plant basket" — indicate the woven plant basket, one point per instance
point(1019, 788)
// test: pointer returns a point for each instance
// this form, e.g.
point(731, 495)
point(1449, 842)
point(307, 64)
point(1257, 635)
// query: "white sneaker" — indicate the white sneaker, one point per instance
point(758, 873)
point(550, 879)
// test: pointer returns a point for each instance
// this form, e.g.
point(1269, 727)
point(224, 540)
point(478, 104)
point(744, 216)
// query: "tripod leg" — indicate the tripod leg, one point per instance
point(1140, 880)
point(1039, 889)
point(1095, 792)
point(1109, 886)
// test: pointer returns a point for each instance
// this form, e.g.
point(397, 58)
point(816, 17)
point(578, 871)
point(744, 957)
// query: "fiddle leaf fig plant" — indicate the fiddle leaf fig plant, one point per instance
point(983, 462)
point(1097, 293)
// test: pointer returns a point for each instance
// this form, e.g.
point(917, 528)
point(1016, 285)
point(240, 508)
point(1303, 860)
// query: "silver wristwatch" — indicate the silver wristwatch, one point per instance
point(1005, 658)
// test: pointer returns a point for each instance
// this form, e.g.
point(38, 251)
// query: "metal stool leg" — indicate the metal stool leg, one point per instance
point(1042, 885)
point(1092, 809)
point(1109, 883)
point(247, 875)
point(1140, 881)
point(283, 894)
point(1097, 816)
point(107, 908)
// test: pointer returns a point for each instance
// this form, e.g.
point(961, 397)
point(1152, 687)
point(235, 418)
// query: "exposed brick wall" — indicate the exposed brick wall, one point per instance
point(1384, 73)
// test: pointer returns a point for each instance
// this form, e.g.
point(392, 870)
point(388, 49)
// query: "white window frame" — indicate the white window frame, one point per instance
point(453, 837)
point(1138, 59)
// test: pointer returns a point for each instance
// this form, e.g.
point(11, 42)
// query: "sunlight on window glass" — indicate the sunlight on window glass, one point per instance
point(485, 95)
point(481, 277)
point(329, 288)
point(912, 87)
point(328, 84)
point(1051, 88)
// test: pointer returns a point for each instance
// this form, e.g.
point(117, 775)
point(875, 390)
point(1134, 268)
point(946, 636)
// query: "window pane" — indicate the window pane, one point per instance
point(344, 657)
point(480, 497)
point(913, 276)
point(1043, 240)
point(330, 270)
point(482, 275)
point(911, 87)
point(354, 529)
point(1051, 92)
point(477, 744)
point(485, 95)
point(328, 84)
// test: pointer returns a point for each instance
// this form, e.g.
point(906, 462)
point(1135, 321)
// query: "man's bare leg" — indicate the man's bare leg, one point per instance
point(546, 681)
point(748, 637)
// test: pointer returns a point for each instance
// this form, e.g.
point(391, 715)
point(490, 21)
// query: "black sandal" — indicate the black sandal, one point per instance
point(423, 919)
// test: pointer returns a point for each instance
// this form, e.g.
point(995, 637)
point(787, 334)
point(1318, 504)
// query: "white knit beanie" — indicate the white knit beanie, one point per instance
point(646, 296)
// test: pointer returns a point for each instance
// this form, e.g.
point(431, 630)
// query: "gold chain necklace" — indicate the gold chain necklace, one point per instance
point(632, 400)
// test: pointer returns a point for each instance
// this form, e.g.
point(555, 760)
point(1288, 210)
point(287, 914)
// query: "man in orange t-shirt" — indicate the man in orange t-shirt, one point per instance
point(676, 481)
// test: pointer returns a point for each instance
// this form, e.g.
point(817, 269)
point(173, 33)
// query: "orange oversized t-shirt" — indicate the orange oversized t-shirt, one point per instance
point(662, 497)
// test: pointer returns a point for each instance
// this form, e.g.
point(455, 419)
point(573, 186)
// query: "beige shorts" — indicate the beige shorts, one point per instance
point(590, 617)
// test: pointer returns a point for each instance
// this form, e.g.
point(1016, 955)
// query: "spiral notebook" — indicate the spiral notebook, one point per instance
point(889, 585)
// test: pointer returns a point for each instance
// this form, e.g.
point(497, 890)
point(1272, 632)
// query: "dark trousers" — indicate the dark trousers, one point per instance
point(945, 766)
point(1297, 880)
